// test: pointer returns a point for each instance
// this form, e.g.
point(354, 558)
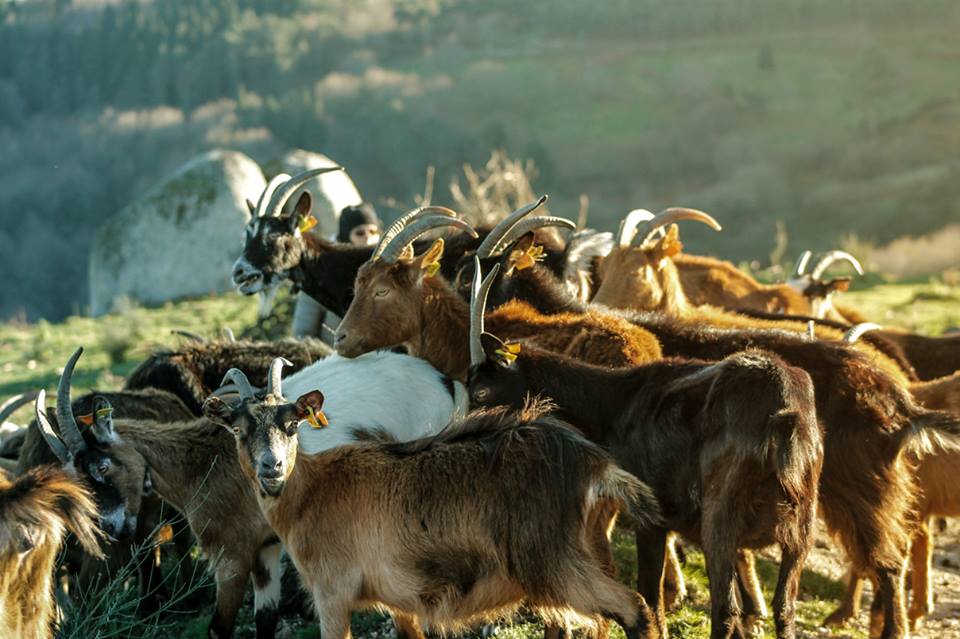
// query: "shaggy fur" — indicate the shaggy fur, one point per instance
point(36, 511)
point(460, 519)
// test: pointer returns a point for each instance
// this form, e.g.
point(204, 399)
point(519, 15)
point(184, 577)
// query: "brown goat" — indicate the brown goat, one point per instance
point(36, 511)
point(400, 299)
point(644, 277)
point(457, 540)
point(733, 468)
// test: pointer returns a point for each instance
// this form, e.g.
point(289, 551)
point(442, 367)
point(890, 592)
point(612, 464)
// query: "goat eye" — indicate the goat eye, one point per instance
point(380, 292)
point(236, 430)
point(481, 394)
point(103, 467)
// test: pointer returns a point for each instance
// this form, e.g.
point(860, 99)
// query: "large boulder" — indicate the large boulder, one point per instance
point(181, 238)
point(331, 191)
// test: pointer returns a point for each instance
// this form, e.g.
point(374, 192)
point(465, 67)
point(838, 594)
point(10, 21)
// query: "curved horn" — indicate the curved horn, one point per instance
point(274, 382)
point(69, 429)
point(503, 227)
point(417, 228)
point(523, 227)
point(191, 336)
point(669, 216)
point(402, 222)
point(478, 302)
point(267, 194)
point(802, 262)
point(628, 226)
point(857, 331)
point(10, 406)
point(827, 260)
point(46, 429)
point(228, 333)
point(285, 190)
point(239, 378)
point(812, 329)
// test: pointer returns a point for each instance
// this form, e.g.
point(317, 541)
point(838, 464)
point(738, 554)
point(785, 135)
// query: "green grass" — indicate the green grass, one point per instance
point(31, 356)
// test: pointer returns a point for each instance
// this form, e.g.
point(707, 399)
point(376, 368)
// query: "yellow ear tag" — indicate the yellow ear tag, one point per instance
point(104, 412)
point(520, 260)
point(431, 269)
point(509, 352)
point(316, 418)
point(307, 222)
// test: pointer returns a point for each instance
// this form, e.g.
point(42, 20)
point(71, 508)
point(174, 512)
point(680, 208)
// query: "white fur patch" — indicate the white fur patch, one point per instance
point(269, 596)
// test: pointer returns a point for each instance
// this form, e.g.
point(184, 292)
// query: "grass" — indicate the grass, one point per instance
point(32, 356)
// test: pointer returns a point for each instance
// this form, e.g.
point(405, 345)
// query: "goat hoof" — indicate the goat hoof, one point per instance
point(752, 626)
point(838, 617)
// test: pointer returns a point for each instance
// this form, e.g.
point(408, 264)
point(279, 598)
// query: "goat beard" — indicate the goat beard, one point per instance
point(267, 296)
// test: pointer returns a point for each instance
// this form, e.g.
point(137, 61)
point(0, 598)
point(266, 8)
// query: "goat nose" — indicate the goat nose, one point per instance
point(271, 467)
point(339, 337)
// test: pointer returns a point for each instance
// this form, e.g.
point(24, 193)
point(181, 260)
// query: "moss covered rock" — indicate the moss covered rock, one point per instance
point(181, 238)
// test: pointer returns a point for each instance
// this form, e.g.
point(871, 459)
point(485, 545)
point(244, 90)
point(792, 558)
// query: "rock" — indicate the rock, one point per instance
point(181, 238)
point(331, 191)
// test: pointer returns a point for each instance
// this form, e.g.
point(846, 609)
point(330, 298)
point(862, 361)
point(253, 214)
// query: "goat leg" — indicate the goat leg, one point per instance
point(888, 604)
point(751, 596)
point(921, 554)
point(674, 587)
point(651, 554)
point(849, 607)
point(267, 585)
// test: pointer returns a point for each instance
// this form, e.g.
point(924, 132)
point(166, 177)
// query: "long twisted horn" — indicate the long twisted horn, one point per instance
point(239, 378)
point(524, 226)
point(857, 331)
point(267, 194)
point(827, 260)
point(10, 406)
point(69, 429)
point(46, 429)
point(478, 302)
point(669, 216)
point(285, 190)
point(802, 262)
point(497, 233)
point(394, 229)
point(274, 381)
point(415, 229)
point(628, 226)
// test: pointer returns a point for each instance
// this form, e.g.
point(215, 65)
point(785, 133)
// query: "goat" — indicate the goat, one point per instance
point(194, 370)
point(401, 299)
point(731, 449)
point(193, 464)
point(642, 276)
point(866, 416)
point(37, 509)
point(456, 540)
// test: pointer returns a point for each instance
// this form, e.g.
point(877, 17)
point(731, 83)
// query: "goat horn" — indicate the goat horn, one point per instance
point(402, 222)
point(523, 227)
point(46, 429)
point(628, 226)
point(497, 233)
point(69, 429)
point(857, 331)
point(267, 194)
point(285, 190)
point(189, 335)
point(812, 329)
point(417, 228)
point(827, 260)
point(478, 302)
point(802, 262)
point(10, 406)
point(239, 378)
point(228, 333)
point(669, 216)
point(274, 382)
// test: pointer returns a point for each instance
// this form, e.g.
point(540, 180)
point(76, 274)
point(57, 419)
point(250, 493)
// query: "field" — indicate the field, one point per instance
point(31, 356)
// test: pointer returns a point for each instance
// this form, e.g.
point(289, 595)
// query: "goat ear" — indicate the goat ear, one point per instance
point(668, 245)
point(147, 483)
point(430, 260)
point(251, 206)
point(838, 284)
point(300, 220)
point(102, 427)
point(217, 411)
point(310, 408)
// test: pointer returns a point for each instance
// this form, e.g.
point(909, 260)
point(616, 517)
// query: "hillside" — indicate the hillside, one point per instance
point(836, 118)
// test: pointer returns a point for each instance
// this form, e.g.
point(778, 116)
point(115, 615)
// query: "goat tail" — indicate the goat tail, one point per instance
point(639, 507)
point(46, 500)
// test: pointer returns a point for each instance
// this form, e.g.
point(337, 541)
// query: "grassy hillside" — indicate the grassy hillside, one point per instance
point(838, 118)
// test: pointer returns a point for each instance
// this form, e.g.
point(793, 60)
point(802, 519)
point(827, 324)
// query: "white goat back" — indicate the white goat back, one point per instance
point(401, 395)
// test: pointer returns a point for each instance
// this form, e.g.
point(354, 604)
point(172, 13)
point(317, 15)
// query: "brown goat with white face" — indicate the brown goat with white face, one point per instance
point(36, 511)
point(440, 529)
point(400, 299)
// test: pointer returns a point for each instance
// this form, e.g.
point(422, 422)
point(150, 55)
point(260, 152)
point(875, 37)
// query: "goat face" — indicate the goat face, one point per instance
point(266, 434)
point(272, 246)
point(387, 303)
point(498, 381)
point(633, 276)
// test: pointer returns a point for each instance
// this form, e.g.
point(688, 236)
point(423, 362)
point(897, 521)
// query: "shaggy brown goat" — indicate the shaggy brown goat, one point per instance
point(37, 509)
point(457, 541)
point(866, 490)
point(642, 276)
point(401, 300)
point(731, 449)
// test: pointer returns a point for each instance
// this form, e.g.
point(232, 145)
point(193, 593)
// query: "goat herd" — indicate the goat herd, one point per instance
point(483, 465)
